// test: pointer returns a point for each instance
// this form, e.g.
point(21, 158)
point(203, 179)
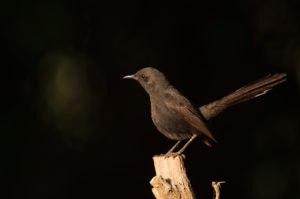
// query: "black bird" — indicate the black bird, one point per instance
point(175, 116)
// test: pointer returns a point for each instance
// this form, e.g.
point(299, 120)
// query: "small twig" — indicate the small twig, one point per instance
point(217, 186)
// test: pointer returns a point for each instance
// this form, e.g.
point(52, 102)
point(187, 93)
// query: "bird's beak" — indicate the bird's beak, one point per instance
point(129, 77)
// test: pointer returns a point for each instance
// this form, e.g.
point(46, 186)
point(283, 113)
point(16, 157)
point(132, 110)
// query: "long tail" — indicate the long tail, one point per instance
point(250, 91)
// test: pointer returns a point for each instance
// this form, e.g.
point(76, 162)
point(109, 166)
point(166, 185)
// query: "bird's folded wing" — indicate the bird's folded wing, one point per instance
point(190, 116)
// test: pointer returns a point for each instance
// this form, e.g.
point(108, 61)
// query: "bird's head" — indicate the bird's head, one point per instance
point(151, 79)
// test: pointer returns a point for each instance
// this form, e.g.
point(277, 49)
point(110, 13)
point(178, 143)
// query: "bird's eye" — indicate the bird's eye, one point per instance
point(144, 77)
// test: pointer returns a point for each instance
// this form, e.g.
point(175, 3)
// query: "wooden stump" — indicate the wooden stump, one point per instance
point(171, 181)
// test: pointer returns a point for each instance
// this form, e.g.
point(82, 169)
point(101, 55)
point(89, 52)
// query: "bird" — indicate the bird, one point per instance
point(178, 119)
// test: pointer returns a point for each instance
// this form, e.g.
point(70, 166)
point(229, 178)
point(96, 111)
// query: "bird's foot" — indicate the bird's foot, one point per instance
point(174, 154)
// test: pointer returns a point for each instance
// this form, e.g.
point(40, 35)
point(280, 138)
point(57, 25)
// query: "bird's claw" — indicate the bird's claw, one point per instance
point(173, 154)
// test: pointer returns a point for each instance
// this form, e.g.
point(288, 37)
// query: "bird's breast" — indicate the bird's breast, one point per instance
point(169, 123)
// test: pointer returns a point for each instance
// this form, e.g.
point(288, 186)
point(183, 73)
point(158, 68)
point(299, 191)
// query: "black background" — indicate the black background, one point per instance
point(71, 127)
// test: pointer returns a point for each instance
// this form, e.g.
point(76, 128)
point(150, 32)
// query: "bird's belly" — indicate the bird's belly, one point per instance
point(170, 125)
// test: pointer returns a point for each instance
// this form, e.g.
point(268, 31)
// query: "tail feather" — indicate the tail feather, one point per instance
point(250, 91)
point(255, 89)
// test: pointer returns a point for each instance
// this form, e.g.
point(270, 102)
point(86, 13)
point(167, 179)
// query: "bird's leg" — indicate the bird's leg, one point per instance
point(172, 149)
point(186, 144)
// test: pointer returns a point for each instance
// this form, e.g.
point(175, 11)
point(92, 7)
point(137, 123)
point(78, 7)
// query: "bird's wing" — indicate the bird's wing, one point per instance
point(181, 106)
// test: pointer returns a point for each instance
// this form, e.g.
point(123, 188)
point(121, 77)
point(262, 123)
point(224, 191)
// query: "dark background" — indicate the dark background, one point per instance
point(71, 127)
